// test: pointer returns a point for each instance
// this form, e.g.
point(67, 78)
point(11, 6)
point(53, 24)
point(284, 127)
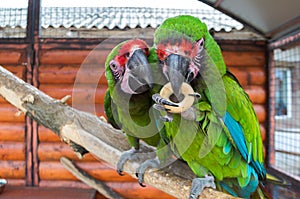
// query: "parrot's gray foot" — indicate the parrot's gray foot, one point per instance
point(160, 100)
point(189, 114)
point(160, 107)
point(126, 155)
point(168, 117)
point(151, 163)
point(199, 184)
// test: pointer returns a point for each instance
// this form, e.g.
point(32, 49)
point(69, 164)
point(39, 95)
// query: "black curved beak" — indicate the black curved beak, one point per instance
point(140, 76)
point(177, 67)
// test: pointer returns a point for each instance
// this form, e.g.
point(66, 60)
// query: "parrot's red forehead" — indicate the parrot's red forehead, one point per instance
point(128, 47)
point(182, 47)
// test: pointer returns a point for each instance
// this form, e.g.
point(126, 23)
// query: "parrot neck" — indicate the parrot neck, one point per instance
point(214, 52)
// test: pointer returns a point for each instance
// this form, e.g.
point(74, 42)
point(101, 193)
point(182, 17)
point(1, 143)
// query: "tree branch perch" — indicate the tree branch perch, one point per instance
point(94, 135)
point(89, 180)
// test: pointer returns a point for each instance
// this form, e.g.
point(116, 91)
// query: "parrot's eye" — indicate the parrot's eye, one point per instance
point(146, 50)
point(113, 65)
point(127, 55)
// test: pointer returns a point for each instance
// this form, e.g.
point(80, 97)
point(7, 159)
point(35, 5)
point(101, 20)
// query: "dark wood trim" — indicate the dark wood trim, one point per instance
point(32, 33)
point(291, 40)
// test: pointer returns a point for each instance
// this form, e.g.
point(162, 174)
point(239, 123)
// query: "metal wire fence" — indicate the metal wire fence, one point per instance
point(287, 109)
point(84, 22)
point(13, 22)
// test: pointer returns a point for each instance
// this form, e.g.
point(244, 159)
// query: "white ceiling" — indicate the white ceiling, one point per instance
point(272, 18)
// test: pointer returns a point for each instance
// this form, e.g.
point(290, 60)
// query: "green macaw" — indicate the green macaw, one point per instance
point(219, 136)
point(128, 97)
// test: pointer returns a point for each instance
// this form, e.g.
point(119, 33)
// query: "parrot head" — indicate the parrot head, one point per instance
point(127, 67)
point(180, 46)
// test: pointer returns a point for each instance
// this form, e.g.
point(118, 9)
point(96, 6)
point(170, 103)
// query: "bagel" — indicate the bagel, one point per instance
point(184, 104)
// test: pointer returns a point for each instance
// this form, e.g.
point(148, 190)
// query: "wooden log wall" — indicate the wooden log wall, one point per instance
point(76, 68)
point(12, 126)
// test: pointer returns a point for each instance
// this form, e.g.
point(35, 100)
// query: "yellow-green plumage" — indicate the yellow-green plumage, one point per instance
point(226, 125)
point(131, 113)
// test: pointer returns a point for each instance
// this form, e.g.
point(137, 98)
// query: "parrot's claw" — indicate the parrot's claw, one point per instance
point(199, 184)
point(126, 155)
point(151, 163)
point(160, 100)
point(196, 95)
point(167, 118)
point(160, 107)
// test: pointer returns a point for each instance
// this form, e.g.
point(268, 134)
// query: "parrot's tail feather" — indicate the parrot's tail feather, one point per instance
point(276, 180)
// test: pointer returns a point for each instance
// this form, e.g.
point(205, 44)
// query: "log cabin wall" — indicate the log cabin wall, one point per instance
point(13, 131)
point(75, 67)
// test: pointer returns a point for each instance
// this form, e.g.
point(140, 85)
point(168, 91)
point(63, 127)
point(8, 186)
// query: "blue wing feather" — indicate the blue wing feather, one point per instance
point(238, 137)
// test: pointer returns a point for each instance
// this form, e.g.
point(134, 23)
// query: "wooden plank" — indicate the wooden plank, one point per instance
point(12, 169)
point(68, 74)
point(8, 114)
point(244, 59)
point(10, 56)
point(13, 45)
point(257, 94)
point(12, 131)
point(63, 56)
point(240, 74)
point(53, 151)
point(58, 56)
point(12, 151)
point(63, 183)
point(255, 76)
point(81, 94)
point(46, 135)
point(55, 171)
point(15, 182)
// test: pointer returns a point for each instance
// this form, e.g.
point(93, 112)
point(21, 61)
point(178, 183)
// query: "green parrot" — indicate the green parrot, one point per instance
point(128, 103)
point(219, 135)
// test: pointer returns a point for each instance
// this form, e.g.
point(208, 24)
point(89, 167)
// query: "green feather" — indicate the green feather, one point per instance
point(190, 27)
point(206, 142)
point(131, 113)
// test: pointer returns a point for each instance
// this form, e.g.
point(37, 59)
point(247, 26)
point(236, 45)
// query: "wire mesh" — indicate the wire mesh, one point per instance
point(13, 22)
point(287, 109)
point(78, 22)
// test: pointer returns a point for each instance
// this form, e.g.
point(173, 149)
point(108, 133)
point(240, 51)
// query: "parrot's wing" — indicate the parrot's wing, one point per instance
point(243, 125)
point(110, 110)
point(215, 94)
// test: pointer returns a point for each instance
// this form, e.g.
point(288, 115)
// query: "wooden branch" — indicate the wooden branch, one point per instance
point(96, 136)
point(89, 180)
